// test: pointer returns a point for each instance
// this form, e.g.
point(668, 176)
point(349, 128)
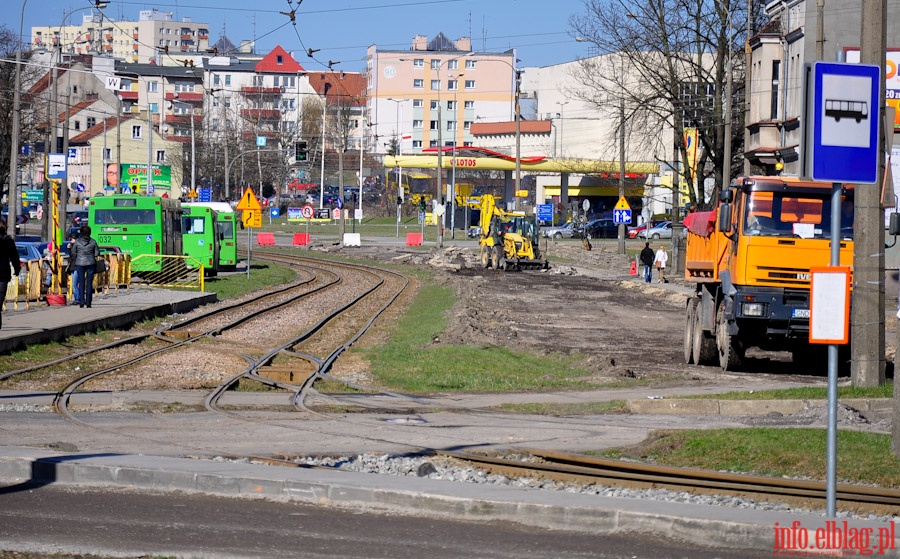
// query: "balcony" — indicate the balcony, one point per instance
point(259, 90)
point(108, 36)
point(128, 94)
point(262, 114)
point(185, 97)
point(181, 119)
point(270, 134)
point(187, 36)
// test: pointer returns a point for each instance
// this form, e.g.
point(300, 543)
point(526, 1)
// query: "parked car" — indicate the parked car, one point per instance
point(79, 218)
point(661, 231)
point(566, 230)
point(634, 232)
point(474, 232)
point(601, 229)
point(29, 251)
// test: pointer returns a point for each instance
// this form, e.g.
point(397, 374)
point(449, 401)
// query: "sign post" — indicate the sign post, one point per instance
point(842, 127)
point(252, 217)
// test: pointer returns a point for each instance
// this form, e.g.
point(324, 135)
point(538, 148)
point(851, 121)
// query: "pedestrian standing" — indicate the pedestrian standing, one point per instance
point(660, 261)
point(647, 260)
point(9, 263)
point(85, 252)
point(76, 275)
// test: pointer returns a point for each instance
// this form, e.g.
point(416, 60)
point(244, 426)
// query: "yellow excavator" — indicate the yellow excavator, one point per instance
point(509, 240)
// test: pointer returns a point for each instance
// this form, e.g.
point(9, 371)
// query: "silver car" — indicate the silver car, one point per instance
point(661, 231)
point(566, 230)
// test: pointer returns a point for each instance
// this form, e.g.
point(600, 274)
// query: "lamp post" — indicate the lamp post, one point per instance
point(398, 137)
point(562, 115)
point(452, 194)
point(14, 144)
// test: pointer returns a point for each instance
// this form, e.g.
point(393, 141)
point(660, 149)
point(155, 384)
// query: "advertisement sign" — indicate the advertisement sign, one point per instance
point(134, 176)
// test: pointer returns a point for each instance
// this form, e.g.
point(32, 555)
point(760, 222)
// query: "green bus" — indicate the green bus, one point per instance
point(200, 238)
point(139, 225)
point(226, 226)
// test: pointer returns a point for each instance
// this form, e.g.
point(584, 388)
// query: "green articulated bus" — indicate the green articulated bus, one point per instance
point(139, 225)
point(201, 240)
point(226, 227)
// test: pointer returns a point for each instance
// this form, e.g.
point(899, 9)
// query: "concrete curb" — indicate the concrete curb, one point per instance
point(703, 406)
point(708, 526)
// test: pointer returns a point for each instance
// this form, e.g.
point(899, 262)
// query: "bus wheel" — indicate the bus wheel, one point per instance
point(730, 353)
point(690, 311)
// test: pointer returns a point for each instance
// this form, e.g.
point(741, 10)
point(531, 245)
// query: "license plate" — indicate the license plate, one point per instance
point(800, 313)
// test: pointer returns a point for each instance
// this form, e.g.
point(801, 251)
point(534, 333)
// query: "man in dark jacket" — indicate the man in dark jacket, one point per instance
point(84, 253)
point(647, 256)
point(9, 263)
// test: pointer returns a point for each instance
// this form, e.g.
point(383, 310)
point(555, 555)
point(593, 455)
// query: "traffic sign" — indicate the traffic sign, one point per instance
point(622, 204)
point(249, 201)
point(307, 211)
point(252, 218)
point(842, 122)
point(274, 212)
point(621, 216)
point(545, 212)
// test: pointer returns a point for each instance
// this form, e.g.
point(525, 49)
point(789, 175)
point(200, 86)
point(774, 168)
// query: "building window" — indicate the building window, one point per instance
point(293, 81)
point(215, 79)
point(136, 132)
point(161, 156)
point(432, 143)
point(417, 123)
point(451, 105)
point(451, 125)
point(152, 87)
point(154, 108)
point(418, 84)
point(417, 144)
point(419, 63)
point(434, 125)
point(467, 125)
point(434, 105)
point(227, 79)
point(470, 64)
point(107, 154)
point(435, 64)
point(258, 81)
point(776, 81)
point(470, 84)
point(452, 85)
point(77, 124)
point(468, 144)
point(469, 105)
point(418, 103)
point(452, 64)
point(91, 122)
point(435, 85)
point(279, 59)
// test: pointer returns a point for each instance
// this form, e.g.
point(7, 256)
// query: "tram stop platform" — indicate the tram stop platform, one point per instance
point(42, 323)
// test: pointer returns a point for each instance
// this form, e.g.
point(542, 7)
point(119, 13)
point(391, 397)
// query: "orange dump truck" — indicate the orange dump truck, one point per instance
point(750, 262)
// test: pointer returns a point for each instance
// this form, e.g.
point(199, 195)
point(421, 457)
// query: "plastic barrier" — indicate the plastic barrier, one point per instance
point(301, 239)
point(413, 239)
point(265, 239)
point(633, 270)
point(352, 240)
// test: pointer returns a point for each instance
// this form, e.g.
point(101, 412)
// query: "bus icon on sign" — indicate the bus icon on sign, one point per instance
point(837, 109)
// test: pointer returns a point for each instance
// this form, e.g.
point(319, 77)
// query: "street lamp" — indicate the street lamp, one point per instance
point(452, 193)
point(562, 114)
point(398, 136)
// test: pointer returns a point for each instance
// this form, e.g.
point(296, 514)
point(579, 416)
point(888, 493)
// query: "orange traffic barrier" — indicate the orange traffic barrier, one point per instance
point(265, 239)
point(633, 271)
point(301, 239)
point(413, 239)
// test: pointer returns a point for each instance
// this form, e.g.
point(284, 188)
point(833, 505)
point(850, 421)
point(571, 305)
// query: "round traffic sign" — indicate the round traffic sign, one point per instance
point(307, 211)
point(586, 205)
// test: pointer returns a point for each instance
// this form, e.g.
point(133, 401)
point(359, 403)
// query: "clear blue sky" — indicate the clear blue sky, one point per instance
point(343, 29)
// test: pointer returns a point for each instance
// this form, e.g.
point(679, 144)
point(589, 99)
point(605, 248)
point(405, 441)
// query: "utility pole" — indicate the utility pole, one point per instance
point(621, 232)
point(867, 312)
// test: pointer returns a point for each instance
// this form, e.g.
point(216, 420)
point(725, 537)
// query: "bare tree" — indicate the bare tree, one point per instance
point(666, 60)
point(9, 43)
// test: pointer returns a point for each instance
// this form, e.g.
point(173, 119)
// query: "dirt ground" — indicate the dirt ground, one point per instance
point(586, 303)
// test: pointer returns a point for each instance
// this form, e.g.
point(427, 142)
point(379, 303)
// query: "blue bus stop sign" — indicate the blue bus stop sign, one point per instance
point(842, 122)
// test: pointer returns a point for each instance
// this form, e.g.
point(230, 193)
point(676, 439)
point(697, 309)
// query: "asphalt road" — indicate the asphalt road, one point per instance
point(125, 524)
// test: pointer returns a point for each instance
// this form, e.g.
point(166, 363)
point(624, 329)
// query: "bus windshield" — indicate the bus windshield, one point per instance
point(785, 214)
point(123, 216)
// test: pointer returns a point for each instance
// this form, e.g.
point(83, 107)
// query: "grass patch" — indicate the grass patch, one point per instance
point(410, 362)
point(561, 410)
point(802, 393)
point(771, 452)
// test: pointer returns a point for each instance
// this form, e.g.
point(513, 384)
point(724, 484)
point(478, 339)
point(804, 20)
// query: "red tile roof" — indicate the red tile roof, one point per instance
point(98, 129)
point(270, 64)
point(340, 87)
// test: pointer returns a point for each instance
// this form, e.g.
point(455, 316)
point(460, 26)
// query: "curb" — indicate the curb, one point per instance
point(698, 406)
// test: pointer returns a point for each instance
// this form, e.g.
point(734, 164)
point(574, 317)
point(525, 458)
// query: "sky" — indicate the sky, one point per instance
point(342, 30)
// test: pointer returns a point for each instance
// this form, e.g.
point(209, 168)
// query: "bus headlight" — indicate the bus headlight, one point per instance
point(753, 309)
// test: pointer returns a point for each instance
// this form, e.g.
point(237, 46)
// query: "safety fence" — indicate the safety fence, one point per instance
point(177, 272)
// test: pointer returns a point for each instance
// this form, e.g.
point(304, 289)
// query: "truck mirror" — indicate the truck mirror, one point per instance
point(894, 225)
point(723, 223)
point(726, 196)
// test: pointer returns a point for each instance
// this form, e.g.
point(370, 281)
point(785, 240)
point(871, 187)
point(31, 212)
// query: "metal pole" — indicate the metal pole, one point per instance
point(14, 144)
point(518, 138)
point(831, 442)
point(440, 175)
point(322, 173)
point(149, 187)
point(726, 155)
point(621, 231)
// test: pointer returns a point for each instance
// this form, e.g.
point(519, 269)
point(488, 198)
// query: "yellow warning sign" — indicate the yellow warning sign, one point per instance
point(622, 204)
point(252, 219)
point(249, 201)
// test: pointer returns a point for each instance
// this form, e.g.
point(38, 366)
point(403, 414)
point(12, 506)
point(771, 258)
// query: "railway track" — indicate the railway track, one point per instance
point(581, 469)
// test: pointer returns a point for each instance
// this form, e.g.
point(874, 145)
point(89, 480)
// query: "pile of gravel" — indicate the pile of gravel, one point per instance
point(438, 468)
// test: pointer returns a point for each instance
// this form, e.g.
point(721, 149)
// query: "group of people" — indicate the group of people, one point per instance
point(656, 259)
point(83, 254)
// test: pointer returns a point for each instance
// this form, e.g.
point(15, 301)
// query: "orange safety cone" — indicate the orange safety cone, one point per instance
point(633, 271)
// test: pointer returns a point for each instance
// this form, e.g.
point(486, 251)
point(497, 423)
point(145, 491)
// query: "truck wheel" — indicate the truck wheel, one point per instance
point(485, 257)
point(689, 311)
point(730, 353)
point(704, 343)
